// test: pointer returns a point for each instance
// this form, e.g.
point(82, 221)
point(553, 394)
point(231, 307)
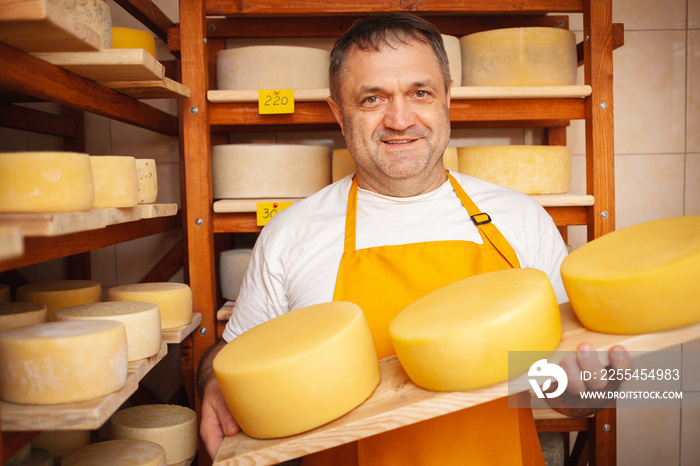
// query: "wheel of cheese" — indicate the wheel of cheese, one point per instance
point(62, 362)
point(95, 14)
point(454, 56)
point(147, 180)
point(529, 169)
point(232, 266)
point(36, 457)
point(640, 279)
point(45, 182)
point(298, 371)
point(13, 315)
point(450, 159)
point(116, 181)
point(530, 56)
point(272, 67)
point(173, 299)
point(61, 442)
point(121, 452)
point(142, 322)
point(172, 427)
point(269, 170)
point(61, 293)
point(129, 38)
point(5, 293)
point(458, 337)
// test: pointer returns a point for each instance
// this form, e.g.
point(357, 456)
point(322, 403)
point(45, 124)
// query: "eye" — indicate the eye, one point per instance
point(373, 99)
point(421, 93)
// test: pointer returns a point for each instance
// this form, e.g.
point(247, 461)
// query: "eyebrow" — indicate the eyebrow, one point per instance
point(370, 89)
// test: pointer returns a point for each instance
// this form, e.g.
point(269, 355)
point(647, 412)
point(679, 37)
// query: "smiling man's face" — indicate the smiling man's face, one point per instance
point(394, 116)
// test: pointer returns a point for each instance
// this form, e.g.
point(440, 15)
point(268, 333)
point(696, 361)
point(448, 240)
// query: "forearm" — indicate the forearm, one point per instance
point(205, 371)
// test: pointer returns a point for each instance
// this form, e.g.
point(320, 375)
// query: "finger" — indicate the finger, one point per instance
point(620, 358)
point(210, 429)
point(575, 385)
point(588, 361)
point(226, 421)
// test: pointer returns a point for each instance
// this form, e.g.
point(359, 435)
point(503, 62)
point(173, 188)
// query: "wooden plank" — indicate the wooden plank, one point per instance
point(245, 205)
point(55, 224)
point(397, 402)
point(29, 119)
point(177, 334)
point(114, 216)
point(109, 64)
point(564, 216)
point(563, 200)
point(235, 223)
point(159, 89)
point(148, 14)
point(11, 242)
point(157, 210)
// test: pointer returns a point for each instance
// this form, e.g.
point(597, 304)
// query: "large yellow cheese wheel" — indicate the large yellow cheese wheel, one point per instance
point(454, 56)
point(170, 426)
point(95, 14)
point(116, 181)
point(5, 293)
point(269, 170)
point(272, 67)
point(640, 279)
point(173, 299)
point(232, 267)
point(298, 371)
point(530, 56)
point(141, 320)
point(344, 165)
point(147, 180)
point(529, 169)
point(45, 182)
point(61, 442)
point(458, 337)
point(129, 38)
point(61, 293)
point(117, 453)
point(14, 315)
point(62, 362)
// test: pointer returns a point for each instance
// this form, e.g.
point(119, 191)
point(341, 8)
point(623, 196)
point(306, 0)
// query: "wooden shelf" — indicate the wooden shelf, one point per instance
point(177, 334)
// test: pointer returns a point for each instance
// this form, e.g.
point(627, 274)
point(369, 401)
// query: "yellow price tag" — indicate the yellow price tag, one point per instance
point(275, 101)
point(266, 210)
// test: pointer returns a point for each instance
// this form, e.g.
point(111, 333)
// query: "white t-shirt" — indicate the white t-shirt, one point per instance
point(296, 258)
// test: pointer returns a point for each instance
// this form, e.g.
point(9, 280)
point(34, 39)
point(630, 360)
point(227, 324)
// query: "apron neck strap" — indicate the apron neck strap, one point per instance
point(351, 218)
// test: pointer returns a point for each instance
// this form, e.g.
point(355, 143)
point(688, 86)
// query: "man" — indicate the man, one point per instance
point(399, 229)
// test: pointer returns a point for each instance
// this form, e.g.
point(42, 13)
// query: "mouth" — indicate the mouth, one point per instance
point(398, 142)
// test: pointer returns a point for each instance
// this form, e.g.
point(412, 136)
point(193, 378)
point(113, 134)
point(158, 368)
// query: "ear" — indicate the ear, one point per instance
point(337, 112)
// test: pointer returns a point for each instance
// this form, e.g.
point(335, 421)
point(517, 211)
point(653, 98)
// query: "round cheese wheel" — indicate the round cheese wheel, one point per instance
point(232, 266)
point(173, 299)
point(458, 337)
point(36, 457)
point(95, 14)
point(14, 315)
point(147, 180)
point(117, 453)
point(299, 370)
point(45, 182)
point(529, 56)
point(170, 426)
point(129, 38)
point(5, 293)
point(639, 279)
point(269, 170)
point(454, 56)
point(61, 293)
point(61, 442)
point(272, 67)
point(142, 322)
point(450, 159)
point(62, 362)
point(116, 181)
point(529, 169)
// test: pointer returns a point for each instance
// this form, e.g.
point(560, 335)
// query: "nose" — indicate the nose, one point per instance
point(399, 115)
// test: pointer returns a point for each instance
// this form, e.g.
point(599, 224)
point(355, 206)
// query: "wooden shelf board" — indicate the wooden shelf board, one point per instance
point(397, 401)
point(109, 64)
point(157, 210)
point(11, 242)
point(224, 314)
point(177, 334)
point(165, 88)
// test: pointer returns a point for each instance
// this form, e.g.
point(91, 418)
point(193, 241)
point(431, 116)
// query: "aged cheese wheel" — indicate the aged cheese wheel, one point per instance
point(233, 265)
point(116, 181)
point(5, 293)
point(117, 453)
point(173, 299)
point(344, 165)
point(529, 169)
point(269, 170)
point(61, 442)
point(35, 457)
point(454, 56)
point(170, 426)
point(147, 180)
point(530, 56)
point(639, 279)
point(129, 38)
point(14, 315)
point(450, 159)
point(61, 293)
point(272, 67)
point(45, 182)
point(458, 337)
point(62, 362)
point(95, 14)
point(142, 322)
point(298, 371)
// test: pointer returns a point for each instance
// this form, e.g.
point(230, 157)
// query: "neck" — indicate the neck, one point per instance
point(403, 187)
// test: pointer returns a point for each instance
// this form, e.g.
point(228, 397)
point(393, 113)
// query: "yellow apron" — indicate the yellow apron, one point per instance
point(382, 281)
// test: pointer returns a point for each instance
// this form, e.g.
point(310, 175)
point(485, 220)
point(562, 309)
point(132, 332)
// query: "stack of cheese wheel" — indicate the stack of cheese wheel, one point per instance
point(232, 267)
point(117, 453)
point(172, 427)
point(531, 56)
point(173, 299)
point(61, 293)
point(272, 67)
point(62, 362)
point(116, 181)
point(95, 14)
point(147, 180)
point(242, 171)
point(266, 373)
point(458, 337)
point(454, 56)
point(45, 182)
point(61, 442)
point(639, 279)
point(141, 320)
point(5, 293)
point(529, 169)
point(13, 315)
point(29, 456)
point(128, 38)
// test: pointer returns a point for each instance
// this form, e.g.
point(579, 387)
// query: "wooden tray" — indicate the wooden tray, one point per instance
point(109, 64)
point(397, 402)
point(177, 334)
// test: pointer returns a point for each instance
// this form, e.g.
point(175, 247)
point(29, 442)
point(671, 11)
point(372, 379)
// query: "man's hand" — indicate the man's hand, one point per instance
point(217, 421)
